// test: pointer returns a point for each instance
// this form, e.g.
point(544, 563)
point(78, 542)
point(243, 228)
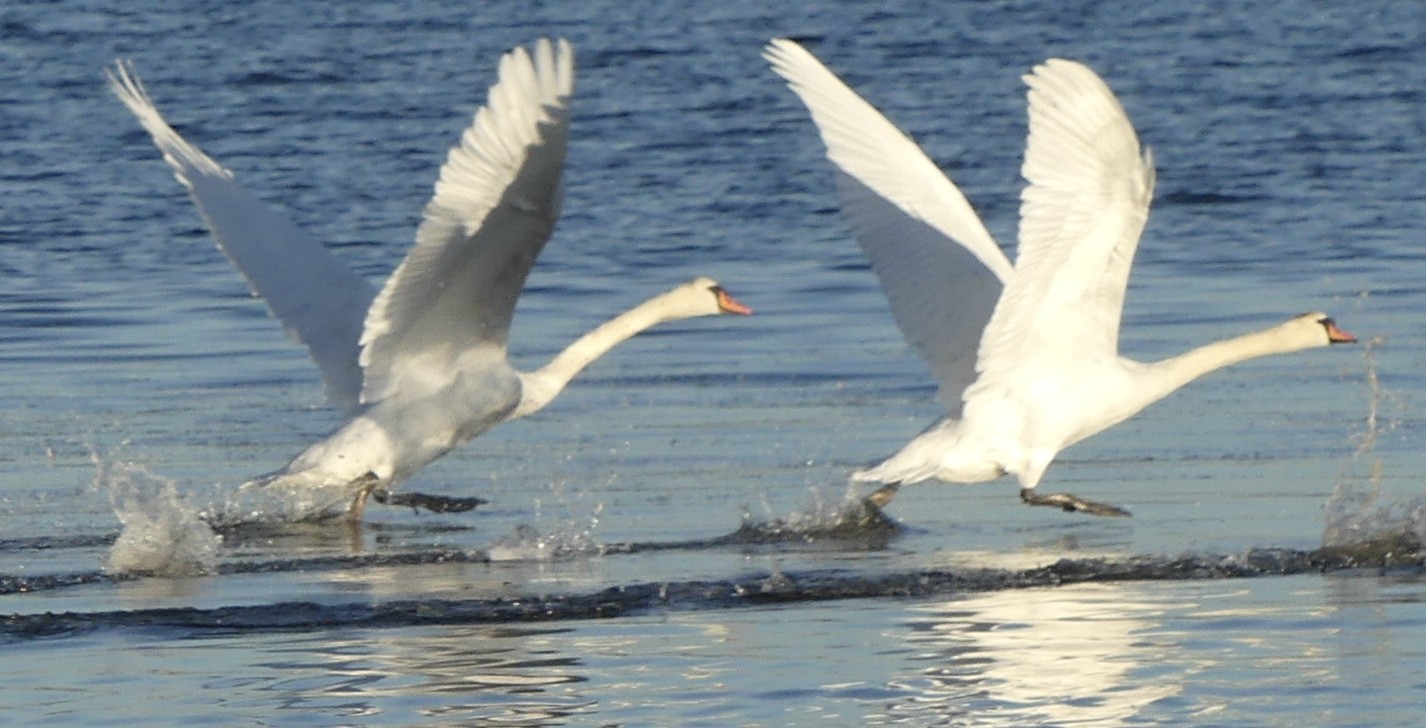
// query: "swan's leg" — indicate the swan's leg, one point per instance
point(432, 503)
point(1069, 502)
point(365, 484)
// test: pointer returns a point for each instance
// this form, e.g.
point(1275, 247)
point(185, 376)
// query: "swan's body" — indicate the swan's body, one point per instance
point(420, 365)
point(1027, 356)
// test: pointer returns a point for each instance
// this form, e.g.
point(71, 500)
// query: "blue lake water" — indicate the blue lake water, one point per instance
point(140, 382)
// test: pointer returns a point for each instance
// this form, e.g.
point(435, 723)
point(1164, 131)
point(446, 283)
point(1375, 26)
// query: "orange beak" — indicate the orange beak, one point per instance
point(728, 304)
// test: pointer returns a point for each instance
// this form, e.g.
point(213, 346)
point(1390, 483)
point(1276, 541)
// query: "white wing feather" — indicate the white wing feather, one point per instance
point(318, 299)
point(1081, 216)
point(494, 207)
point(940, 268)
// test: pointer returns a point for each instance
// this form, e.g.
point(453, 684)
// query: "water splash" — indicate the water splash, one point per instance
point(527, 543)
point(258, 501)
point(848, 517)
point(568, 537)
point(162, 533)
point(1359, 511)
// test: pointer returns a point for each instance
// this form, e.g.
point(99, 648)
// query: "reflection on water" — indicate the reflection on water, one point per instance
point(1073, 655)
point(1053, 656)
point(509, 677)
point(1274, 651)
point(482, 676)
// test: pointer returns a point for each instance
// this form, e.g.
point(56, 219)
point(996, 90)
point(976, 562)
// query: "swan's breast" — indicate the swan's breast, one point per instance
point(480, 399)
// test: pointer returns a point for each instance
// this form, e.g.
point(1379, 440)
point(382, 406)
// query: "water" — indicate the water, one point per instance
point(141, 384)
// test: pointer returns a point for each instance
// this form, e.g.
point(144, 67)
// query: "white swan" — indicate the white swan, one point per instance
point(1027, 356)
point(420, 366)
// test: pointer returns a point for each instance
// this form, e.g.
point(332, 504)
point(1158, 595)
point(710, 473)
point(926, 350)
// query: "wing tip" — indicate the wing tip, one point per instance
point(1056, 81)
point(185, 159)
point(1061, 68)
point(124, 82)
point(790, 60)
point(549, 62)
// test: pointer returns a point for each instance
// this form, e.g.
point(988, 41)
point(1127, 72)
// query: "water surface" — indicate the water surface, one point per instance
point(139, 379)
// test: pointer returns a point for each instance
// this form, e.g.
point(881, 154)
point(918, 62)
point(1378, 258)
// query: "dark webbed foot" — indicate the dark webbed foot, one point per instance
point(432, 503)
point(883, 495)
point(1069, 502)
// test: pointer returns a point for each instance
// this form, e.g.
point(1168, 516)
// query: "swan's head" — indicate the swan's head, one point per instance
point(1323, 328)
point(702, 296)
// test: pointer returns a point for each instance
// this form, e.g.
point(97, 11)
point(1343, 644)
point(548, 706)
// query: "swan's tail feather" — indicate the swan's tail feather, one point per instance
point(903, 468)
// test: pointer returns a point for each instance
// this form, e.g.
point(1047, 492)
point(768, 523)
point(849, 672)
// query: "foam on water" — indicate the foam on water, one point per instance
point(162, 532)
point(568, 537)
point(527, 543)
point(848, 516)
point(258, 501)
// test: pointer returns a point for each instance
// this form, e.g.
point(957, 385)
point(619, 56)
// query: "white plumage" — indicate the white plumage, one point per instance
point(420, 366)
point(1027, 357)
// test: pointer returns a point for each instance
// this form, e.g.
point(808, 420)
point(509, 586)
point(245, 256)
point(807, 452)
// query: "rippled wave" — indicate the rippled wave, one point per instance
point(1400, 551)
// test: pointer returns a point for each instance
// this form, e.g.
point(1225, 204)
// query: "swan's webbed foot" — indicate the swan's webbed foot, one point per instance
point(880, 497)
point(432, 503)
point(1069, 502)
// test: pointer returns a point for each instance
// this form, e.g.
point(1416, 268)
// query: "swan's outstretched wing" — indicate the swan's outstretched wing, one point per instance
point(939, 266)
point(319, 299)
point(1081, 216)
point(495, 205)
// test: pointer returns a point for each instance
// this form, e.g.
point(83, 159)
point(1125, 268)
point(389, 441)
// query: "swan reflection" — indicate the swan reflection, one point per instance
point(1065, 655)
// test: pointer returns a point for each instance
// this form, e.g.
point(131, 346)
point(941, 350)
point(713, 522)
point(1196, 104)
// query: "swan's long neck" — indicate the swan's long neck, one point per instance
point(1163, 377)
point(544, 384)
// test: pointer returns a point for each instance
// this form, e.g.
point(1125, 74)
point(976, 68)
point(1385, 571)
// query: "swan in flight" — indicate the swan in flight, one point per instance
point(1027, 356)
point(420, 365)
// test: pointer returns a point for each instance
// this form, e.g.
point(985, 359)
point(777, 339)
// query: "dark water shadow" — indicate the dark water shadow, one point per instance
point(753, 590)
point(1399, 552)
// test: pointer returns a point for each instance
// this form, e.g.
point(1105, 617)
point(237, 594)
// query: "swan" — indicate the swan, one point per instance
point(1027, 356)
point(419, 366)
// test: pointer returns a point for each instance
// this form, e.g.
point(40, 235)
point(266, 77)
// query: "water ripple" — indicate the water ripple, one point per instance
point(1394, 553)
